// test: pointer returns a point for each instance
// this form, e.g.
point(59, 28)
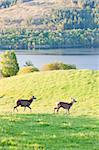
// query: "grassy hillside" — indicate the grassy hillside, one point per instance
point(51, 87)
point(43, 130)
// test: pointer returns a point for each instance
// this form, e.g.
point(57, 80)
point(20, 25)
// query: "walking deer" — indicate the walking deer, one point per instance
point(64, 105)
point(24, 103)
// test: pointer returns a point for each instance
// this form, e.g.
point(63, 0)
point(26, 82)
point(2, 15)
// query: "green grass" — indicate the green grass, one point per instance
point(41, 129)
point(48, 132)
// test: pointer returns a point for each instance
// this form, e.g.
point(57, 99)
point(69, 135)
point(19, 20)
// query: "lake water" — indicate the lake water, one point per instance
point(81, 61)
point(90, 59)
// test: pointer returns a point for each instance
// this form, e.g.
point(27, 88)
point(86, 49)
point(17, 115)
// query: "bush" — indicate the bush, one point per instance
point(58, 66)
point(8, 64)
point(27, 69)
point(67, 66)
point(28, 63)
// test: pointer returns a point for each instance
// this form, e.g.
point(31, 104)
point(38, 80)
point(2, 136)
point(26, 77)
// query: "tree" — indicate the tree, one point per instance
point(8, 64)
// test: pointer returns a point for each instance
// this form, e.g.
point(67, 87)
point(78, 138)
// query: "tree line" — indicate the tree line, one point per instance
point(85, 3)
point(31, 39)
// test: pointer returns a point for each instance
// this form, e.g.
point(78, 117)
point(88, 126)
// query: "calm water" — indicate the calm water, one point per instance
point(81, 61)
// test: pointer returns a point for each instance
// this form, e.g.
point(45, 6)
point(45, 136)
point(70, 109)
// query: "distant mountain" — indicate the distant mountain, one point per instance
point(20, 13)
point(28, 24)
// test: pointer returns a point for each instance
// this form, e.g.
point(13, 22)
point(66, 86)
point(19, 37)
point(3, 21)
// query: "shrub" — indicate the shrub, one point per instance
point(58, 66)
point(67, 66)
point(27, 69)
point(8, 64)
point(29, 63)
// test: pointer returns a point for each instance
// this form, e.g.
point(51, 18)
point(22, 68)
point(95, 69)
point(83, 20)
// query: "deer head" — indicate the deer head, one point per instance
point(33, 97)
point(73, 100)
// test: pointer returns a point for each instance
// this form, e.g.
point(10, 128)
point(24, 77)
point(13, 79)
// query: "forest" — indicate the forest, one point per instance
point(63, 28)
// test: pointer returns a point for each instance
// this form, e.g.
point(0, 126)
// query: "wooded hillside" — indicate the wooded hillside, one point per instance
point(32, 24)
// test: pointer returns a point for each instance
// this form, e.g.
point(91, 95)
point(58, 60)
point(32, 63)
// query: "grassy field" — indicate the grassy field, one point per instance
point(48, 132)
point(42, 129)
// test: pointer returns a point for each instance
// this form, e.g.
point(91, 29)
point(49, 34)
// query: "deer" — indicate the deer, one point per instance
point(65, 105)
point(24, 103)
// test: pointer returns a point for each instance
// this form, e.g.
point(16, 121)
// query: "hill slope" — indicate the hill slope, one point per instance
point(19, 14)
point(51, 87)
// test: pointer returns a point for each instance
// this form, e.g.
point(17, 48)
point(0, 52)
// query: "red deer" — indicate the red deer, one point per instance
point(24, 103)
point(65, 105)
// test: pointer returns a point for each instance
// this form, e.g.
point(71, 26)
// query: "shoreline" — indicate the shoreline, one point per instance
point(72, 51)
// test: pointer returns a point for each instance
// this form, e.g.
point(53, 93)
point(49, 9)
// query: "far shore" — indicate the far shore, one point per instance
point(71, 51)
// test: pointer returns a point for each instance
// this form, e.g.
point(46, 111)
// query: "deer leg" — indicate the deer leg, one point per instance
point(58, 109)
point(55, 109)
point(24, 108)
point(16, 107)
point(68, 111)
point(29, 107)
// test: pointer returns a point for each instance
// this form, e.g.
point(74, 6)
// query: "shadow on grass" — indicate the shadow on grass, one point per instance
point(2, 96)
point(49, 131)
